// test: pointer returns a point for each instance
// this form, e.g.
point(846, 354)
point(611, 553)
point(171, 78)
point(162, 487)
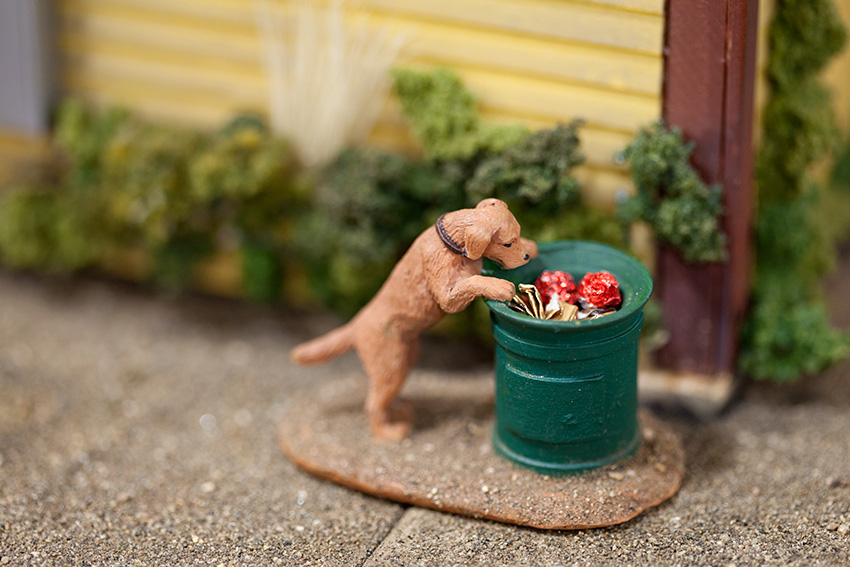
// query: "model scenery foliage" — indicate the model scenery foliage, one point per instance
point(182, 195)
point(788, 333)
point(444, 116)
point(671, 197)
point(178, 194)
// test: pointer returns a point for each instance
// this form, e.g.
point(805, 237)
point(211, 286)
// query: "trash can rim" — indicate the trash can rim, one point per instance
point(632, 302)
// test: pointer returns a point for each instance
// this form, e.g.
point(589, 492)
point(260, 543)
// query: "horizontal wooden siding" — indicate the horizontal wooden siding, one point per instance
point(533, 61)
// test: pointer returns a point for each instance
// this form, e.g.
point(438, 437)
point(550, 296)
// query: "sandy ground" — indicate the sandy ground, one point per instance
point(140, 430)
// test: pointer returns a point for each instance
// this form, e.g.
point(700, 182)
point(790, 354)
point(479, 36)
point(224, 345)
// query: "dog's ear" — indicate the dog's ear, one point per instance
point(478, 237)
point(491, 203)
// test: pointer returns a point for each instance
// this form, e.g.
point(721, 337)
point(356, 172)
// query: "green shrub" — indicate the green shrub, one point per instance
point(179, 194)
point(43, 229)
point(671, 197)
point(262, 273)
point(535, 177)
point(370, 204)
point(535, 171)
point(444, 116)
point(840, 176)
point(367, 209)
point(83, 136)
point(788, 334)
point(145, 183)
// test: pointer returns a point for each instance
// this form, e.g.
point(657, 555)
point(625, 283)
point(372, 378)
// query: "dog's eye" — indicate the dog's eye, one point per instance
point(508, 245)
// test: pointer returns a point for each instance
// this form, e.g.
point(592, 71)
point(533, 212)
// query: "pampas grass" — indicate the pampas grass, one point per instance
point(327, 77)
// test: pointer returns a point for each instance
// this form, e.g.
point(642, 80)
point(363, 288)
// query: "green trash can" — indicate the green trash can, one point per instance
point(566, 391)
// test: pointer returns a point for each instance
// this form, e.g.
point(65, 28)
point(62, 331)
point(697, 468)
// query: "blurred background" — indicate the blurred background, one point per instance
point(289, 151)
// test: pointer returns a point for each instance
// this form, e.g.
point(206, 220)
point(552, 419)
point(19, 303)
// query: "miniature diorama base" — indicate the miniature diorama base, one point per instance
point(448, 462)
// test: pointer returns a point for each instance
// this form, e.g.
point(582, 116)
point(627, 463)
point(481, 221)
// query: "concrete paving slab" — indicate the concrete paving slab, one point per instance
point(765, 485)
point(137, 430)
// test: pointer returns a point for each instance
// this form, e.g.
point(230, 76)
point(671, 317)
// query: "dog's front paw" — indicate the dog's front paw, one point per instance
point(501, 290)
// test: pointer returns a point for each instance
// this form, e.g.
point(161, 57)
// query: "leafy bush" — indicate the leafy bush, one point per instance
point(535, 177)
point(43, 229)
point(444, 116)
point(671, 197)
point(788, 333)
point(841, 170)
point(534, 171)
point(788, 337)
point(368, 208)
point(178, 194)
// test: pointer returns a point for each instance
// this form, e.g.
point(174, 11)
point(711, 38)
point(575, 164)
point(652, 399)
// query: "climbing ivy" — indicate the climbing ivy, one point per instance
point(788, 333)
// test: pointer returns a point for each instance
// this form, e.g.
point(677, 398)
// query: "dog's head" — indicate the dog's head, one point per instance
point(494, 234)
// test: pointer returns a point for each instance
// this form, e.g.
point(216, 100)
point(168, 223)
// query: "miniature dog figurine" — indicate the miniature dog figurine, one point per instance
point(440, 273)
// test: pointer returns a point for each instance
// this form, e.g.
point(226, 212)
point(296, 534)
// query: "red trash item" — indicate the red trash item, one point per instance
point(599, 289)
point(557, 283)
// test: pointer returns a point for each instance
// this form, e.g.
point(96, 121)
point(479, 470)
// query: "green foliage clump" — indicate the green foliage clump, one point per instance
point(262, 272)
point(83, 135)
point(42, 229)
point(803, 37)
point(535, 177)
point(840, 177)
point(444, 116)
point(367, 209)
point(530, 171)
point(179, 194)
point(788, 334)
point(144, 184)
point(802, 130)
point(536, 170)
point(671, 197)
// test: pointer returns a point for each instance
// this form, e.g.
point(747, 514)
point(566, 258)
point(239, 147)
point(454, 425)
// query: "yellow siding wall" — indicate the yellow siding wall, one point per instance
point(837, 75)
point(534, 61)
point(762, 92)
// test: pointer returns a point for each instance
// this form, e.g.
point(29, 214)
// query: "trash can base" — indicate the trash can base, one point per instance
point(566, 468)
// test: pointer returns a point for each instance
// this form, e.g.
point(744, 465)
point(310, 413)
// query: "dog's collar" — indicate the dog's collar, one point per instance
point(447, 240)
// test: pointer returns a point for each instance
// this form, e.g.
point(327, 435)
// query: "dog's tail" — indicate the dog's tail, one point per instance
point(324, 348)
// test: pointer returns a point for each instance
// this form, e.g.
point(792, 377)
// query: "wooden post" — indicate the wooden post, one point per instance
point(710, 50)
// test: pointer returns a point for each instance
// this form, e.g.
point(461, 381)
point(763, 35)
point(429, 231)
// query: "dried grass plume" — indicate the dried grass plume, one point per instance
point(327, 73)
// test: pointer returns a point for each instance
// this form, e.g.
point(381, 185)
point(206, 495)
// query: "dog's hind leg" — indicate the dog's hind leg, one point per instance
point(387, 364)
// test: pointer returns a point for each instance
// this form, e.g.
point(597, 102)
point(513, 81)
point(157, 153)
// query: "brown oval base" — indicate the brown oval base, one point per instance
point(448, 463)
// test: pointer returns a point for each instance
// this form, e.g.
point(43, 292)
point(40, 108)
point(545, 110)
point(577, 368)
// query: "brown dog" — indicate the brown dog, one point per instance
point(439, 273)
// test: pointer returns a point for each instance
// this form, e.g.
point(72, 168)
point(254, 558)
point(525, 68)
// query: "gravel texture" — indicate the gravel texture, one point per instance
point(141, 430)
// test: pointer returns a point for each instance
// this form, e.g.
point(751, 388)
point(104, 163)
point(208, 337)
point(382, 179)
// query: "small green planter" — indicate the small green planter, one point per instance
point(566, 391)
